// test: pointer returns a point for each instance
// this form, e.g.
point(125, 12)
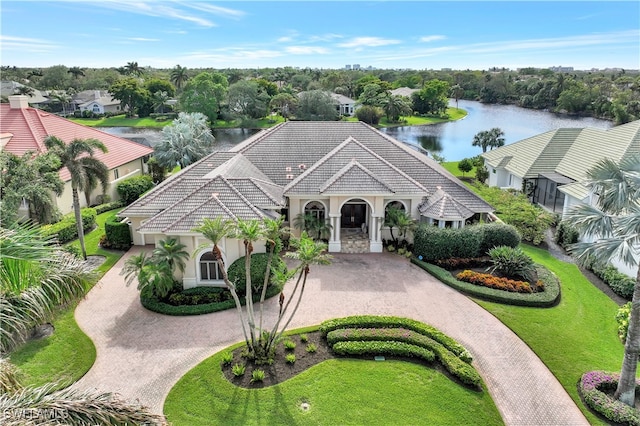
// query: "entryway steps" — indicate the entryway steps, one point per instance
point(355, 243)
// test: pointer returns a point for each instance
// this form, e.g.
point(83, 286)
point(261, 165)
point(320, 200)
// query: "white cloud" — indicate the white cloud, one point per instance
point(142, 39)
point(306, 50)
point(285, 39)
point(214, 10)
point(325, 37)
point(27, 44)
point(157, 10)
point(369, 42)
point(428, 39)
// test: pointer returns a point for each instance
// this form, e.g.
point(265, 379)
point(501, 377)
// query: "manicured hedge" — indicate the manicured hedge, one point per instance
point(620, 283)
point(492, 281)
point(356, 348)
point(152, 303)
point(101, 208)
point(373, 321)
point(236, 271)
point(452, 363)
point(117, 234)
point(66, 230)
point(432, 243)
point(545, 299)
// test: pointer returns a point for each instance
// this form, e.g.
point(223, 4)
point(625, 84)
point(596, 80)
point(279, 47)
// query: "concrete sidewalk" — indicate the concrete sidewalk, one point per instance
point(141, 354)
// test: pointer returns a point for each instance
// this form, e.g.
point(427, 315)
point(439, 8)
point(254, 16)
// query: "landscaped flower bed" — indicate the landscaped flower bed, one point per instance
point(596, 386)
point(500, 283)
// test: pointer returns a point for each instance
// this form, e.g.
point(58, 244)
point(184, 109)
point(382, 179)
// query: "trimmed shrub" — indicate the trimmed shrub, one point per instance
point(374, 321)
point(237, 274)
point(593, 388)
point(356, 348)
point(620, 283)
point(451, 362)
point(130, 189)
point(152, 303)
point(498, 234)
point(544, 299)
point(101, 208)
point(117, 234)
point(369, 114)
point(65, 230)
point(622, 318)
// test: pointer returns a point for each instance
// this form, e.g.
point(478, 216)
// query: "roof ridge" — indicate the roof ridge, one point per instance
point(257, 182)
point(212, 197)
point(349, 166)
point(252, 140)
point(242, 197)
point(28, 120)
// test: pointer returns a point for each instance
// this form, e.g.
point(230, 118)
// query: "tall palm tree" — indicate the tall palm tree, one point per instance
point(77, 157)
point(614, 224)
point(179, 76)
point(171, 252)
point(395, 106)
point(35, 278)
point(132, 68)
point(273, 233)
point(160, 98)
point(215, 230)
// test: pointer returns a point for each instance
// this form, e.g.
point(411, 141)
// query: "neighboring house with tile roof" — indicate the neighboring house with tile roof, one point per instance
point(344, 104)
point(552, 166)
point(404, 91)
point(96, 101)
point(343, 172)
point(24, 129)
point(37, 98)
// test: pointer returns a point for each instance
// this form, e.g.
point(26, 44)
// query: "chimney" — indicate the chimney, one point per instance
point(18, 101)
point(96, 94)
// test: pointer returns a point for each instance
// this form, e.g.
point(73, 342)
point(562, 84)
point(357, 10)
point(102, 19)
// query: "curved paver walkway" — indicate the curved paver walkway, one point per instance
point(141, 354)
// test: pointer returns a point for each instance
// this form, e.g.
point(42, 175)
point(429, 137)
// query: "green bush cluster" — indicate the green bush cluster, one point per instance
point(512, 262)
point(432, 243)
point(117, 235)
point(452, 363)
point(514, 208)
point(566, 234)
point(358, 348)
point(622, 318)
point(199, 296)
point(595, 387)
point(130, 189)
point(620, 283)
point(237, 275)
point(66, 230)
point(374, 321)
point(544, 299)
point(152, 303)
point(101, 208)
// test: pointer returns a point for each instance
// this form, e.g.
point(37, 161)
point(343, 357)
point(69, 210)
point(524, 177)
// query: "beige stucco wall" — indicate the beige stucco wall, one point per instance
point(65, 201)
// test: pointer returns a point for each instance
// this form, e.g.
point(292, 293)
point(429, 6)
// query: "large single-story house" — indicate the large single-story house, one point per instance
point(551, 167)
point(96, 101)
point(345, 173)
point(344, 104)
point(36, 99)
point(24, 129)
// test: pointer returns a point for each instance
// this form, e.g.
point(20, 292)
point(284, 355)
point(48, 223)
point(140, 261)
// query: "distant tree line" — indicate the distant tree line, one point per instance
point(611, 94)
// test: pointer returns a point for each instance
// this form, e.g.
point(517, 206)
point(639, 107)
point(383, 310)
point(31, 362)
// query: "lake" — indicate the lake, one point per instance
point(451, 140)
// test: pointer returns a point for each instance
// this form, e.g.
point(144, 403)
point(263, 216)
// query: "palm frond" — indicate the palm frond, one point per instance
point(72, 407)
point(590, 220)
point(9, 377)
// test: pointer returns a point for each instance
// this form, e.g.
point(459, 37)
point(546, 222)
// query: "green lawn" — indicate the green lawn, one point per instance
point(414, 120)
point(121, 121)
point(452, 167)
point(578, 335)
point(339, 391)
point(69, 353)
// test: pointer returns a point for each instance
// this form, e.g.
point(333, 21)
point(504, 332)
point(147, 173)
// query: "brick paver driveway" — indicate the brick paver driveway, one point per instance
point(141, 354)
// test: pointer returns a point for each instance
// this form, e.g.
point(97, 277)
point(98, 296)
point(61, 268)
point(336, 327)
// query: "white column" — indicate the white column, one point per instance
point(375, 244)
point(335, 245)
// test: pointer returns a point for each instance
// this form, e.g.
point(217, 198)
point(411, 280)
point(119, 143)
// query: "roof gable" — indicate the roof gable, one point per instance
point(354, 178)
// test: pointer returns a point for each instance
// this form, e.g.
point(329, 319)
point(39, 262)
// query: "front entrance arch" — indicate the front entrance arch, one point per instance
point(353, 214)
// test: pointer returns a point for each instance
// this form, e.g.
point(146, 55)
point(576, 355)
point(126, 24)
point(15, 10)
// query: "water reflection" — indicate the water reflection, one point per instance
point(453, 139)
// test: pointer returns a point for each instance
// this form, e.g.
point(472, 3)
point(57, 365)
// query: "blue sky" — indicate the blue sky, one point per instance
point(328, 34)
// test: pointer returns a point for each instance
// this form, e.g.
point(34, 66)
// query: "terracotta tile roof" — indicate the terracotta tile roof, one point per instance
point(31, 126)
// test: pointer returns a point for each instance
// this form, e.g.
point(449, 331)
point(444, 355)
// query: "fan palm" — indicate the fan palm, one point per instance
point(77, 157)
point(614, 225)
point(35, 278)
point(172, 252)
point(179, 76)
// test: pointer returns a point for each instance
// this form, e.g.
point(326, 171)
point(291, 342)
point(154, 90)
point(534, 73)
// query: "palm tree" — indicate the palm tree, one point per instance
point(24, 90)
point(391, 219)
point(160, 98)
point(215, 230)
point(395, 105)
point(179, 76)
point(307, 252)
point(171, 252)
point(76, 71)
point(35, 278)
point(132, 68)
point(63, 98)
point(273, 232)
point(614, 223)
point(77, 157)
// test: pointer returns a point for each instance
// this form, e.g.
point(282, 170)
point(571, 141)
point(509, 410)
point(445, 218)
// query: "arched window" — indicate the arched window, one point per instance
point(316, 209)
point(209, 268)
point(393, 205)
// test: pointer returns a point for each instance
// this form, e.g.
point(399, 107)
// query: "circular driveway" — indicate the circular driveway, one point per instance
point(141, 354)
